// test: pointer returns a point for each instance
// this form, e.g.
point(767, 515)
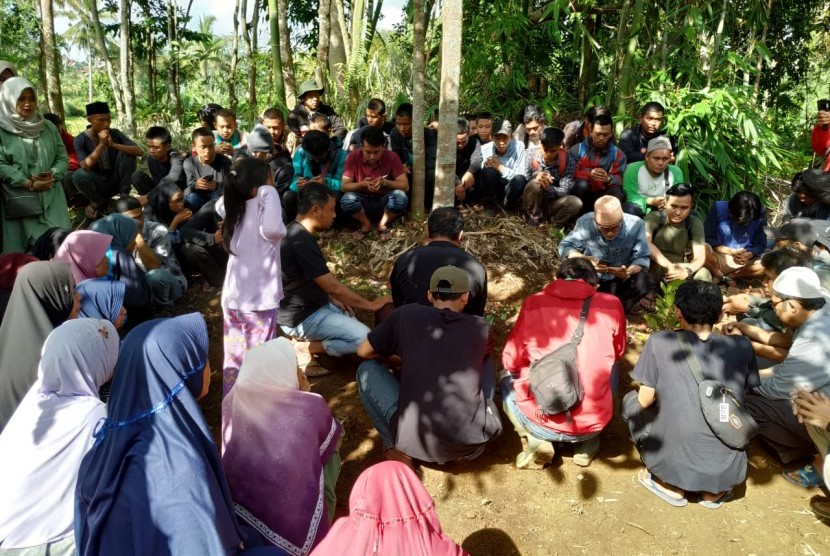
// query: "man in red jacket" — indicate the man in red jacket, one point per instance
point(821, 137)
point(546, 322)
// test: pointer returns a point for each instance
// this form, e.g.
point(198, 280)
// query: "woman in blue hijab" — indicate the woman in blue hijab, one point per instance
point(102, 299)
point(153, 482)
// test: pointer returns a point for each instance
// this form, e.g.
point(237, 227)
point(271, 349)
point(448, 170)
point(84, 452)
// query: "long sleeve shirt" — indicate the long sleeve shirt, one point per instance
point(512, 161)
point(722, 230)
point(611, 159)
point(306, 168)
point(628, 248)
point(562, 172)
point(821, 143)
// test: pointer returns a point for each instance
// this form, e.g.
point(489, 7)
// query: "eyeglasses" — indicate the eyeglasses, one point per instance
point(608, 229)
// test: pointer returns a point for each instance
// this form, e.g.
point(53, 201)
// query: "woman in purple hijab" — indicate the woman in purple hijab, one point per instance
point(279, 450)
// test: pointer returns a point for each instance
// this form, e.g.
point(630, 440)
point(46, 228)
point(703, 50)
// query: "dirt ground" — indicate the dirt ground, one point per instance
point(493, 509)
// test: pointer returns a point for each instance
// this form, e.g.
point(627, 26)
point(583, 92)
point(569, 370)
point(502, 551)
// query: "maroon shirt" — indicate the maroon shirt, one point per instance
point(389, 165)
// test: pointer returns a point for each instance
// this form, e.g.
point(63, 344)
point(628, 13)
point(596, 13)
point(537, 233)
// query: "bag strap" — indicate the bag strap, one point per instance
point(577, 335)
point(691, 358)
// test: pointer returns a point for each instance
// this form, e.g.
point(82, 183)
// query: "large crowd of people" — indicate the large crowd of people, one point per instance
point(98, 398)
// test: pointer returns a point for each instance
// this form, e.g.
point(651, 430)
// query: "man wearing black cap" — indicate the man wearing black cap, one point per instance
point(107, 160)
point(810, 197)
point(309, 103)
point(442, 408)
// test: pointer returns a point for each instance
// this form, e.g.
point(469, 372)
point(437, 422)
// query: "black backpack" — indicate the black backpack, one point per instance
point(554, 378)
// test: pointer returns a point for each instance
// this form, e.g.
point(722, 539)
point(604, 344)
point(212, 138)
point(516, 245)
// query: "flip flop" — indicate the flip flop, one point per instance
point(385, 235)
point(820, 506)
point(652, 487)
point(807, 477)
point(715, 504)
point(359, 234)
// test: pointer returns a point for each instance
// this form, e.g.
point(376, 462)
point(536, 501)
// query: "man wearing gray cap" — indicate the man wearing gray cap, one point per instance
point(503, 174)
point(799, 302)
point(441, 409)
point(645, 182)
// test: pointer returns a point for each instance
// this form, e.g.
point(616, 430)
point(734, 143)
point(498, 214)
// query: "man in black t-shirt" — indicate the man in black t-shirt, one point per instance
point(442, 409)
point(412, 271)
point(316, 308)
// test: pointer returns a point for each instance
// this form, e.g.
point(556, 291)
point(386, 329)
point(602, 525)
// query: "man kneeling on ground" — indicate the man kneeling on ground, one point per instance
point(442, 408)
point(546, 322)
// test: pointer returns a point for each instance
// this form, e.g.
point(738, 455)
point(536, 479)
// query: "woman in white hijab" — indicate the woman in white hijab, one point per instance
point(48, 435)
point(33, 162)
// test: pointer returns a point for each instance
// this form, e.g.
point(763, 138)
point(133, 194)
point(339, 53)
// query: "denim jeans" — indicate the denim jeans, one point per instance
point(339, 333)
point(379, 391)
point(393, 201)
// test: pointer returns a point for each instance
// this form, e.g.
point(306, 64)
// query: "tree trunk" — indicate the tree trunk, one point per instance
point(760, 64)
point(627, 79)
point(373, 24)
point(713, 60)
point(101, 46)
point(50, 57)
point(664, 45)
point(451, 17)
point(587, 53)
point(285, 52)
point(232, 100)
point(128, 116)
point(338, 49)
point(612, 74)
point(357, 32)
point(276, 59)
point(324, 35)
point(247, 31)
point(340, 14)
point(418, 77)
point(173, 64)
point(89, 73)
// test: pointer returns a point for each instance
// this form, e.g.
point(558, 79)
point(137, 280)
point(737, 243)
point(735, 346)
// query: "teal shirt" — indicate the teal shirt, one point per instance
point(302, 169)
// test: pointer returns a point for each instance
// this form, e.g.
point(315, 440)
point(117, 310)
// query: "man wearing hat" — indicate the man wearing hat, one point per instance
point(441, 409)
point(645, 182)
point(799, 301)
point(616, 245)
point(503, 175)
point(634, 141)
point(810, 197)
point(261, 145)
point(600, 164)
point(309, 103)
point(107, 160)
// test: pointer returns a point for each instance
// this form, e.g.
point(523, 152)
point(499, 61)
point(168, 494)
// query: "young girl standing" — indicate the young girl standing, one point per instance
point(251, 234)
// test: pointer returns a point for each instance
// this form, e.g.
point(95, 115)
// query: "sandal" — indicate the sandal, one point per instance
point(820, 506)
point(315, 370)
point(385, 235)
point(359, 234)
point(806, 477)
point(715, 504)
point(647, 481)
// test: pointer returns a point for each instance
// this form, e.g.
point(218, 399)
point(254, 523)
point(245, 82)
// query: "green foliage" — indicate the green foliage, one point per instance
point(20, 36)
point(664, 317)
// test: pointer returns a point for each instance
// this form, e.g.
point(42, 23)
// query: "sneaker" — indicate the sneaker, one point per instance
point(584, 452)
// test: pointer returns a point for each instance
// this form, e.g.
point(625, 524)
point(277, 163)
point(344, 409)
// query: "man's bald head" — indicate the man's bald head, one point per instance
point(607, 210)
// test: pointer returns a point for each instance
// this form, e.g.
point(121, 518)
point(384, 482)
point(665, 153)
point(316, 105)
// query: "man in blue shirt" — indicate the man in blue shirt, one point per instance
point(616, 244)
point(503, 174)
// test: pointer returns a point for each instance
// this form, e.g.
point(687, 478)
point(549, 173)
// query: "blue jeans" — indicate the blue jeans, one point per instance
point(339, 333)
point(394, 201)
point(198, 199)
point(379, 391)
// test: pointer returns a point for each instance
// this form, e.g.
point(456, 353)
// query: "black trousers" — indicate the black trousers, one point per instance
point(629, 290)
point(582, 190)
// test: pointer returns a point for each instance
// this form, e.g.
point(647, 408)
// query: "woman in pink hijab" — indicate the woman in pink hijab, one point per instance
point(391, 514)
point(86, 253)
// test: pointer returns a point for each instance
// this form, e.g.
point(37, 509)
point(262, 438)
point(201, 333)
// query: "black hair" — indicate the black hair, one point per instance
point(652, 107)
point(533, 113)
point(445, 222)
point(744, 207)
point(463, 126)
point(273, 114)
point(316, 143)
point(471, 116)
point(595, 111)
point(160, 133)
point(247, 173)
point(485, 116)
point(578, 268)
point(373, 137)
point(321, 119)
point(445, 296)
point(680, 190)
point(226, 113)
point(552, 137)
point(200, 132)
point(779, 260)
point(796, 184)
point(208, 113)
point(699, 302)
point(312, 195)
point(603, 119)
point(376, 105)
point(54, 118)
point(126, 204)
point(404, 110)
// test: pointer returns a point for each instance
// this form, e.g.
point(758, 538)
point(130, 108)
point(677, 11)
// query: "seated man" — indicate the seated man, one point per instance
point(503, 175)
point(163, 161)
point(205, 173)
point(810, 237)
point(484, 128)
point(316, 310)
point(442, 408)
point(579, 130)
point(154, 255)
point(547, 195)
point(316, 161)
point(676, 239)
point(285, 142)
point(374, 183)
point(820, 138)
point(810, 197)
point(309, 102)
point(634, 141)
point(680, 452)
point(735, 236)
point(529, 132)
point(600, 164)
point(645, 182)
point(375, 116)
point(546, 323)
point(229, 138)
point(616, 245)
point(800, 304)
point(207, 115)
point(413, 270)
point(467, 160)
point(400, 142)
point(106, 159)
point(261, 146)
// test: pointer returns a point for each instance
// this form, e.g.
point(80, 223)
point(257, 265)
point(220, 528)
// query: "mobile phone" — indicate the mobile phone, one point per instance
point(824, 105)
point(606, 263)
point(209, 178)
